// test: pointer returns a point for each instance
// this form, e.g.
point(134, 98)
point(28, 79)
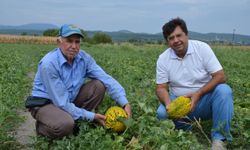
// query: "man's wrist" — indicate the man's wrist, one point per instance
point(125, 105)
point(167, 102)
point(89, 116)
point(200, 93)
point(122, 101)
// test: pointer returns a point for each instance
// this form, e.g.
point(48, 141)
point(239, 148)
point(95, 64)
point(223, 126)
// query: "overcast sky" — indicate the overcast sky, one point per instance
point(205, 16)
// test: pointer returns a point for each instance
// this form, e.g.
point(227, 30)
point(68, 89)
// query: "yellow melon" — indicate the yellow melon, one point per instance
point(112, 115)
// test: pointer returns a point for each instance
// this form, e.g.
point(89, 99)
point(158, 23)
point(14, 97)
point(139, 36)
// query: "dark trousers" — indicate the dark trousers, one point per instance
point(54, 122)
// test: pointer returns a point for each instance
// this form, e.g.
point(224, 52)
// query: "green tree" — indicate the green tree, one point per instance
point(101, 37)
point(51, 32)
point(84, 33)
point(24, 33)
point(86, 38)
point(55, 32)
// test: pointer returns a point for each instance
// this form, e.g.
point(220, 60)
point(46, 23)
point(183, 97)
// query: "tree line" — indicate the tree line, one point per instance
point(98, 37)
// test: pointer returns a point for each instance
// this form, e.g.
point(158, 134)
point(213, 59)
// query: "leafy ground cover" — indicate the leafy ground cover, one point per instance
point(134, 67)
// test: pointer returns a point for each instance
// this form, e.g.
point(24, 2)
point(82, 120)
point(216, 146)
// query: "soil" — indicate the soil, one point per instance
point(26, 131)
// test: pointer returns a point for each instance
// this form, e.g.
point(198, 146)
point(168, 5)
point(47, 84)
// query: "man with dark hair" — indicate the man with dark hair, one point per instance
point(190, 68)
point(60, 95)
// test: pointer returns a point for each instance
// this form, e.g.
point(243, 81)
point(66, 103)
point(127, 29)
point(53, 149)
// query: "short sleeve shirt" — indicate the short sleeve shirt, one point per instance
point(188, 74)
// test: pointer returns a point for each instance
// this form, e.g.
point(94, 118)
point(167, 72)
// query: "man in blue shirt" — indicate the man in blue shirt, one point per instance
point(60, 93)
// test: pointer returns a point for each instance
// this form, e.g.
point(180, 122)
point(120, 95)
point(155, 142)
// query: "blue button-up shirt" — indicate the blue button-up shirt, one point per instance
point(60, 81)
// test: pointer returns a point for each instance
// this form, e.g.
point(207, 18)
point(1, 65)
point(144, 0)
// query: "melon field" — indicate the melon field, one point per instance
point(134, 67)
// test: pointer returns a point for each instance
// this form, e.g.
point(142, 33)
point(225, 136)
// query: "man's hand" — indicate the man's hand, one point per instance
point(217, 78)
point(100, 119)
point(167, 104)
point(128, 109)
point(195, 97)
point(163, 95)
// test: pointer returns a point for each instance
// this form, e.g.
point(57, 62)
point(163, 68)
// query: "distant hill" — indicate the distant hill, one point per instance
point(126, 35)
point(121, 36)
point(31, 26)
point(221, 37)
point(29, 29)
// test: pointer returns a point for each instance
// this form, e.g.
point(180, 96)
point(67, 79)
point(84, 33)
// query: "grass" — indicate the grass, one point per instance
point(134, 67)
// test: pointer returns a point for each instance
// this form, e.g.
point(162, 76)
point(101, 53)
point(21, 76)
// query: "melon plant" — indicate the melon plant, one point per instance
point(112, 118)
point(179, 107)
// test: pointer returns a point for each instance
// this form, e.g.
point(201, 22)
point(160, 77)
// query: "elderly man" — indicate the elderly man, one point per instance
point(190, 68)
point(60, 95)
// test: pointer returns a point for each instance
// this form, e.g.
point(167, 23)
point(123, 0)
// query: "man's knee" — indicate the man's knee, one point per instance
point(223, 90)
point(224, 95)
point(65, 128)
point(99, 85)
point(53, 122)
point(59, 130)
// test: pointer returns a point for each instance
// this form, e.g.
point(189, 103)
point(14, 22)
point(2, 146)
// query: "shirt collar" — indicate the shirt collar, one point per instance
point(63, 60)
point(189, 52)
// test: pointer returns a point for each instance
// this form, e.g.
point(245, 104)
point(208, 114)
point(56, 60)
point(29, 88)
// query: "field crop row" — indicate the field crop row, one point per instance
point(134, 67)
point(18, 39)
